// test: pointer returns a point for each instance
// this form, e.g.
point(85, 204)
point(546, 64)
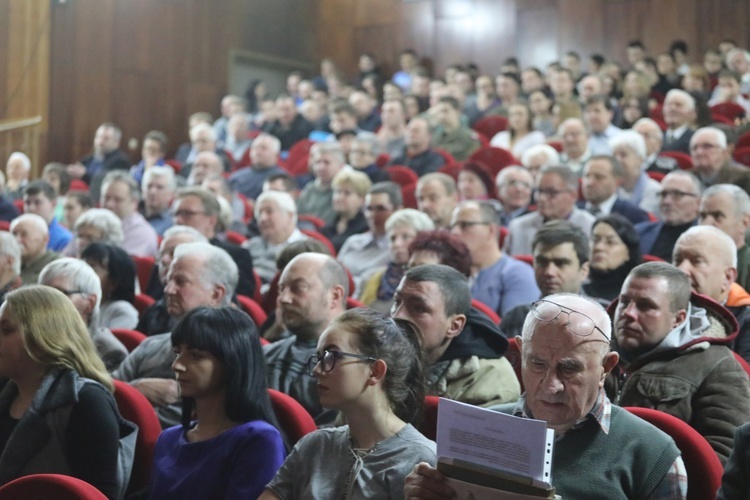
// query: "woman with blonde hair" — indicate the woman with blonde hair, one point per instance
point(349, 190)
point(57, 411)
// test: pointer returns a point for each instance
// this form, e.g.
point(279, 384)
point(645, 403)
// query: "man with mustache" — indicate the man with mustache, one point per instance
point(675, 355)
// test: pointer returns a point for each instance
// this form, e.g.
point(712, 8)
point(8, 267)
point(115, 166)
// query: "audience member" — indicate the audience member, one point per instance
point(727, 207)
point(230, 104)
point(312, 293)
point(592, 433)
point(575, 141)
point(708, 257)
point(556, 194)
point(76, 203)
point(680, 198)
point(17, 170)
point(229, 444)
point(96, 225)
point(158, 188)
point(79, 282)
point(153, 151)
point(8, 210)
point(363, 154)
point(734, 482)
point(440, 247)
point(463, 348)
point(289, 126)
point(156, 319)
point(39, 198)
point(602, 175)
point(56, 174)
point(264, 157)
point(117, 274)
point(362, 254)
point(629, 148)
point(679, 115)
point(30, 232)
point(677, 347)
point(475, 182)
point(350, 188)
point(711, 161)
point(206, 163)
point(200, 275)
point(276, 214)
point(513, 186)
point(498, 280)
point(199, 209)
point(437, 196)
point(654, 139)
point(598, 114)
point(10, 264)
point(238, 140)
point(729, 90)
point(420, 155)
point(520, 134)
point(450, 134)
point(57, 402)
point(105, 158)
point(560, 253)
point(203, 138)
point(381, 358)
point(615, 252)
point(366, 108)
point(120, 194)
point(401, 228)
point(537, 157)
point(316, 198)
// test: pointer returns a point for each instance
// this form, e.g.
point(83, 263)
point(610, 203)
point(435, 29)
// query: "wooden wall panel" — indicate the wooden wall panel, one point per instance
point(149, 64)
point(24, 75)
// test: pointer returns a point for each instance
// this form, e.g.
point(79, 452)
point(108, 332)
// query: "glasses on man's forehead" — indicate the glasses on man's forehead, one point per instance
point(328, 359)
point(578, 323)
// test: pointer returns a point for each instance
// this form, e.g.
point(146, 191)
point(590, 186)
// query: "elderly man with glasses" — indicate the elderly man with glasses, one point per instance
point(711, 162)
point(556, 196)
point(599, 447)
point(675, 355)
point(679, 201)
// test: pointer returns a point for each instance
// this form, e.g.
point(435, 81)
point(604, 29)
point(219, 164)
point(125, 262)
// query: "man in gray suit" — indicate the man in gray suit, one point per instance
point(556, 195)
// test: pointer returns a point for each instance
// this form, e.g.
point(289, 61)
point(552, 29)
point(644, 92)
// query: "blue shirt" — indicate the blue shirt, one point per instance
point(237, 463)
point(505, 284)
point(59, 236)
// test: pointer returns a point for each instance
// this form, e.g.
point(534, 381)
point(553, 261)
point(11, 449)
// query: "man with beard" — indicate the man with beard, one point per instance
point(312, 293)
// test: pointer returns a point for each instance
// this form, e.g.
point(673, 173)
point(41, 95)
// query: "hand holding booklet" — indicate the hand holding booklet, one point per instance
point(487, 454)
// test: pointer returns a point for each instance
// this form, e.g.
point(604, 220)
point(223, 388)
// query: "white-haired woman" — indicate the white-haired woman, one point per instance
point(80, 283)
point(402, 227)
point(96, 225)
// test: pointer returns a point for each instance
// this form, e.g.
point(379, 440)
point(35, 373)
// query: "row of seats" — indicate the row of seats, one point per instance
point(703, 467)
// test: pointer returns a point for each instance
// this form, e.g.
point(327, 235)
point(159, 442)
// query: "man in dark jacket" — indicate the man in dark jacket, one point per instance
point(674, 355)
point(107, 156)
point(464, 349)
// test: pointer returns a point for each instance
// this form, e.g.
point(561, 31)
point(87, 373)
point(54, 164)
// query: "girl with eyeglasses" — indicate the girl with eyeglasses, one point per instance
point(369, 367)
point(228, 445)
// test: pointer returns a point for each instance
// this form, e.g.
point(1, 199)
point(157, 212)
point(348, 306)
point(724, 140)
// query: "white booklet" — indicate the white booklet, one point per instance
point(485, 448)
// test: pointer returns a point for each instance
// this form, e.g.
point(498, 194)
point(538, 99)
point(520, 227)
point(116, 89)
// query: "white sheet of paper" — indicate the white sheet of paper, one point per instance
point(495, 440)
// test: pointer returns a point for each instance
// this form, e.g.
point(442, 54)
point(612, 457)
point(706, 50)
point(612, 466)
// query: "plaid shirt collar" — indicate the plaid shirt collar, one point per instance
point(601, 412)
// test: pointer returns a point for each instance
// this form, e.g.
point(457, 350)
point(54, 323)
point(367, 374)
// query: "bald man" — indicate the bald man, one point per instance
point(708, 256)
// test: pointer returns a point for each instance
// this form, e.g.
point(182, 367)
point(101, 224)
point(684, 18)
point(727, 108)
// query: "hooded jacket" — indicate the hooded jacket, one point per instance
point(691, 374)
point(473, 368)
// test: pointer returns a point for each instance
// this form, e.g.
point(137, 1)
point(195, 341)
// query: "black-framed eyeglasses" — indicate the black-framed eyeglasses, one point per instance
point(187, 213)
point(328, 360)
point(578, 323)
point(549, 192)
